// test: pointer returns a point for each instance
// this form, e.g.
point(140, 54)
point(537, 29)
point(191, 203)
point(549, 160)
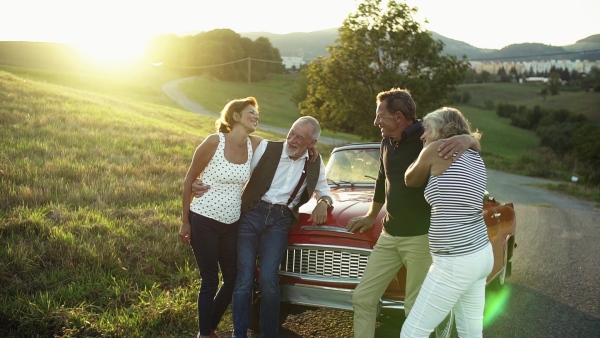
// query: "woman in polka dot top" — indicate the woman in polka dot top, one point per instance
point(210, 222)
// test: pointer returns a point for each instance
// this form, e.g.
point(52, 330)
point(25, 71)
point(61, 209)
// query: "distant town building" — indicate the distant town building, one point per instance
point(290, 62)
point(537, 67)
point(535, 79)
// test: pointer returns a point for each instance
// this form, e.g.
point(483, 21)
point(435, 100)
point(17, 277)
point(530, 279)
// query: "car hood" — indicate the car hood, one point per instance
point(348, 202)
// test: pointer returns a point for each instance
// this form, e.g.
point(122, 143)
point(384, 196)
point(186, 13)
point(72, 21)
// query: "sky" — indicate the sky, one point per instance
point(122, 27)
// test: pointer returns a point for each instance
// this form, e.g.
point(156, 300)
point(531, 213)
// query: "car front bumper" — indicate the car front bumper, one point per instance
point(327, 297)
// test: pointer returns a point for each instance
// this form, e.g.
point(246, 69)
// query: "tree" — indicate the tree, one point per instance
point(586, 141)
point(503, 75)
point(262, 49)
point(513, 73)
point(221, 53)
point(486, 76)
point(470, 76)
point(466, 97)
point(592, 80)
point(378, 48)
point(554, 83)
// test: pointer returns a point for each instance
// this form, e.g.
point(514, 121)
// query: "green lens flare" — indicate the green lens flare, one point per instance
point(494, 304)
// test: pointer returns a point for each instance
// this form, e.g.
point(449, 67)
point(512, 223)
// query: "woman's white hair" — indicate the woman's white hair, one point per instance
point(447, 122)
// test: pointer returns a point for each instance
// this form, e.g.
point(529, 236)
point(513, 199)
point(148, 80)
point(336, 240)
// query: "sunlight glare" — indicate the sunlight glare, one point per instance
point(113, 50)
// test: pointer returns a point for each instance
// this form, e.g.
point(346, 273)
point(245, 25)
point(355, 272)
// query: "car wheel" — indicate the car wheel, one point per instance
point(255, 313)
point(444, 330)
point(284, 310)
point(501, 278)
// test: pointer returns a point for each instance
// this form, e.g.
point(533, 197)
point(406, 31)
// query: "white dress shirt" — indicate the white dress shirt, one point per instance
point(287, 177)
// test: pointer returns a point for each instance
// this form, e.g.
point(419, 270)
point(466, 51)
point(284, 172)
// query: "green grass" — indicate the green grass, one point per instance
point(499, 139)
point(274, 99)
point(90, 207)
point(142, 83)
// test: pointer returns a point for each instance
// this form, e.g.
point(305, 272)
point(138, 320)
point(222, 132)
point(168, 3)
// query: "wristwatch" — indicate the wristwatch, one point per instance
point(326, 202)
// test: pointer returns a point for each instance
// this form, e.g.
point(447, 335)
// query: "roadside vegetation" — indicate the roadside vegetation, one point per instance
point(489, 95)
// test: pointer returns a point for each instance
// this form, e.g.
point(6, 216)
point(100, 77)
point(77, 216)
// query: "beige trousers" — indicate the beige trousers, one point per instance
point(389, 255)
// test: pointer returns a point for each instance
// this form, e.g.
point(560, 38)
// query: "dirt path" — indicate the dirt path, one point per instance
point(171, 89)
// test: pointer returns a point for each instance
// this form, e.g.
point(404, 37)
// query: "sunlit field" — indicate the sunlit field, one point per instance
point(274, 98)
point(90, 207)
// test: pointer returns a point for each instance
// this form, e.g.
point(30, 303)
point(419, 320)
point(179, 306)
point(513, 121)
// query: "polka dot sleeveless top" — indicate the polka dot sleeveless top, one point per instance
point(223, 201)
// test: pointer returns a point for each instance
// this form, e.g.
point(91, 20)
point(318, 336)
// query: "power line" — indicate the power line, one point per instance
point(217, 65)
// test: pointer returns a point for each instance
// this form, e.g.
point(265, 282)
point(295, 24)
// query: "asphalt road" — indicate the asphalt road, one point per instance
point(554, 290)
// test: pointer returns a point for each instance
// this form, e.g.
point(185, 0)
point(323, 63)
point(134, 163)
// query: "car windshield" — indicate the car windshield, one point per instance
point(353, 166)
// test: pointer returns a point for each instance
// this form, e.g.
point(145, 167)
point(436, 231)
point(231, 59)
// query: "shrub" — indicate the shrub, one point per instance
point(488, 104)
point(466, 97)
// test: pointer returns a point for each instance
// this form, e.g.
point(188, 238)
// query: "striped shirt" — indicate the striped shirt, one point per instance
point(456, 198)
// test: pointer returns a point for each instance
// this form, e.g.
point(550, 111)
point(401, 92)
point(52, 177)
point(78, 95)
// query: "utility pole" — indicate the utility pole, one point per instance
point(249, 70)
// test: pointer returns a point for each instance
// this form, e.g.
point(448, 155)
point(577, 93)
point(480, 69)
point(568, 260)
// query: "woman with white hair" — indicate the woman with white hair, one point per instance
point(462, 256)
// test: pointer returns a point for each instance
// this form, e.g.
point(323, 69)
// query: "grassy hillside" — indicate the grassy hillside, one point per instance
point(90, 190)
point(587, 103)
point(500, 141)
point(274, 99)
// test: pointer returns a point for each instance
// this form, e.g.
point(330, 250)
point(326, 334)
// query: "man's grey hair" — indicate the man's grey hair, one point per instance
point(315, 124)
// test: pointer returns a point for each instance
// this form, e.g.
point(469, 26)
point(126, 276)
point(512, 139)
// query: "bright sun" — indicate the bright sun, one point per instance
point(114, 50)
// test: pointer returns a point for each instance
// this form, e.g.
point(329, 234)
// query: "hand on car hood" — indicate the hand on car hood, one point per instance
point(347, 203)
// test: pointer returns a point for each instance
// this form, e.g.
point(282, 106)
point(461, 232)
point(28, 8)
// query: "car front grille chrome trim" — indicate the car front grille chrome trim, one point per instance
point(325, 228)
point(331, 263)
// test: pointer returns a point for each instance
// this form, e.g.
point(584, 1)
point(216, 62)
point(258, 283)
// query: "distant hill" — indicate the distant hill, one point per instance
point(312, 44)
point(306, 45)
point(44, 55)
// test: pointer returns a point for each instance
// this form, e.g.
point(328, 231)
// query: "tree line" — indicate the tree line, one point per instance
point(220, 53)
point(561, 132)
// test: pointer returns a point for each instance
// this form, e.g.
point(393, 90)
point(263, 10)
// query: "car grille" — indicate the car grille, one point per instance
point(333, 264)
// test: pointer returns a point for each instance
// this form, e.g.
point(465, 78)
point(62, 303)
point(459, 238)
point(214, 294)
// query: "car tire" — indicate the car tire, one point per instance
point(284, 310)
point(255, 313)
point(500, 279)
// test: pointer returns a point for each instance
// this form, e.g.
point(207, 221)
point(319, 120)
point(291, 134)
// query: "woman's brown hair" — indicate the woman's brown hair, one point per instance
point(226, 122)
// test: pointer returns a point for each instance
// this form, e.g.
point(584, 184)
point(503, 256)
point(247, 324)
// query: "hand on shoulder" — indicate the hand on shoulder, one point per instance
point(256, 140)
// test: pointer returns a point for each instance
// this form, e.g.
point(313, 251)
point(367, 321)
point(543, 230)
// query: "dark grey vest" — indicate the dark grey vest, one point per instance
point(262, 177)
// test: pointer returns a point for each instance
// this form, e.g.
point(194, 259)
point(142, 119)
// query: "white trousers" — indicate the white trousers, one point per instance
point(452, 283)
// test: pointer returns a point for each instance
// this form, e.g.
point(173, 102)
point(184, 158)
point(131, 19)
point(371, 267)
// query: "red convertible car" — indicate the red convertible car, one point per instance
point(324, 263)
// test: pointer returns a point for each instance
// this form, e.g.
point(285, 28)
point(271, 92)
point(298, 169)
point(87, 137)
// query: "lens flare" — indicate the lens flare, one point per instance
point(494, 304)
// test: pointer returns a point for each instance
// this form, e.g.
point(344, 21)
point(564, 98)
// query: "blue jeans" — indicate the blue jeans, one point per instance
point(214, 245)
point(263, 232)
